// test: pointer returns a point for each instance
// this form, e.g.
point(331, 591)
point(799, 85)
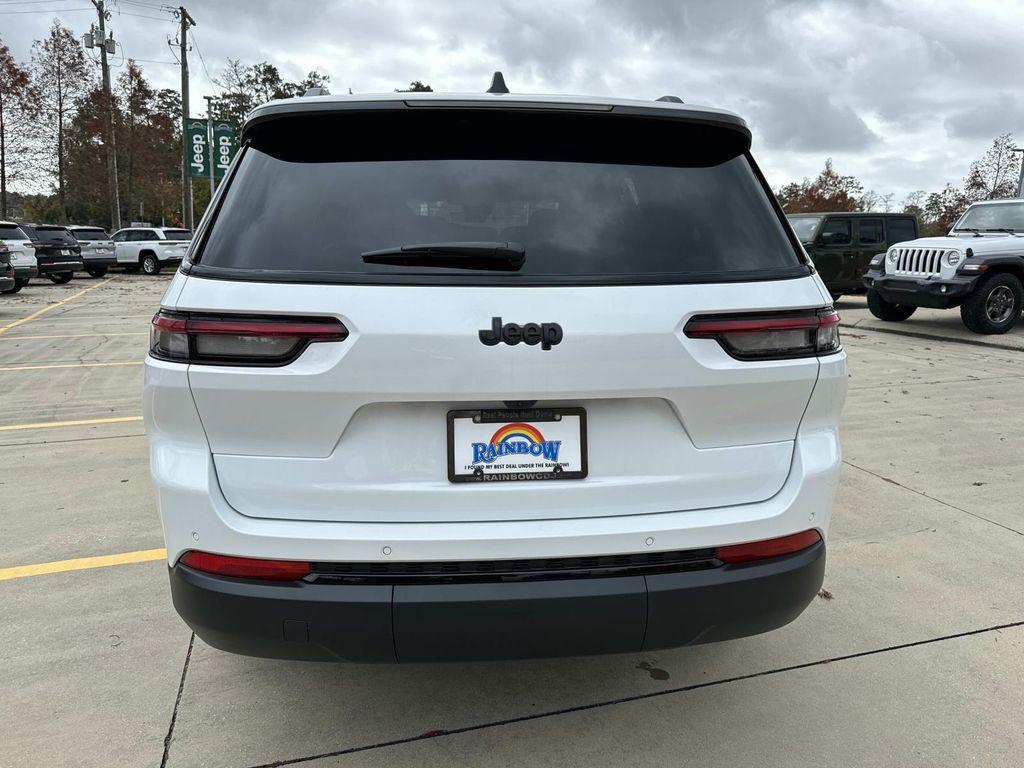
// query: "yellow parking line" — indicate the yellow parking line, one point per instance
point(55, 304)
point(78, 423)
point(82, 563)
point(76, 335)
point(69, 365)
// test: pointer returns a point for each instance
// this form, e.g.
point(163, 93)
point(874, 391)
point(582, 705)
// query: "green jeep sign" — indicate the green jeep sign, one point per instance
point(199, 148)
point(216, 144)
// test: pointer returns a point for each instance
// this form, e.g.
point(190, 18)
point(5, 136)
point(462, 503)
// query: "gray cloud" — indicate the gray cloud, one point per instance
point(902, 93)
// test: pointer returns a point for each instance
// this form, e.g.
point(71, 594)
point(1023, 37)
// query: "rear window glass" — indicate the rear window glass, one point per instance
point(12, 232)
point(177, 234)
point(90, 234)
point(589, 221)
point(55, 234)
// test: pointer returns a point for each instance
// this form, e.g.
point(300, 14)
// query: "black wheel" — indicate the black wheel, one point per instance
point(886, 310)
point(994, 305)
point(61, 277)
point(150, 265)
point(131, 268)
point(19, 283)
point(96, 271)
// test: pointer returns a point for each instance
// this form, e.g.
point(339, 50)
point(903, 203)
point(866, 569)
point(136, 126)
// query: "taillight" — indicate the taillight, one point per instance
point(246, 567)
point(762, 550)
point(775, 336)
point(237, 339)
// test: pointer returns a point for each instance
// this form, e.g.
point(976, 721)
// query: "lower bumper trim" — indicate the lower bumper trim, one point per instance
point(496, 620)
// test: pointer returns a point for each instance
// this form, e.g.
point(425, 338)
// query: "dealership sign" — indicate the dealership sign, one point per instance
point(210, 143)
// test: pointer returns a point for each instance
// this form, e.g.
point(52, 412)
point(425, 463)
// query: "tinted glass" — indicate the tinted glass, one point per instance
point(12, 232)
point(55, 234)
point(177, 234)
point(29, 230)
point(139, 235)
point(575, 219)
point(120, 237)
point(901, 230)
point(870, 231)
point(90, 234)
point(835, 232)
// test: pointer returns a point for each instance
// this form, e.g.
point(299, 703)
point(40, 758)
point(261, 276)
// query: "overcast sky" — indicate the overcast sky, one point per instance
point(903, 95)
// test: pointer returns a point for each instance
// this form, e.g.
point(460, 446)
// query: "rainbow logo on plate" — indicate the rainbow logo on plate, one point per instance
point(516, 439)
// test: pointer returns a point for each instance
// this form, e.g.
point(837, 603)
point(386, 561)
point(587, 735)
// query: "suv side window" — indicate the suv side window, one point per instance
point(147, 235)
point(836, 232)
point(870, 232)
point(136, 235)
point(120, 237)
point(901, 230)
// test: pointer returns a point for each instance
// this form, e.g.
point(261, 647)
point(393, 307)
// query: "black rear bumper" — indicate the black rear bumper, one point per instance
point(99, 261)
point(26, 272)
point(936, 294)
point(58, 267)
point(496, 620)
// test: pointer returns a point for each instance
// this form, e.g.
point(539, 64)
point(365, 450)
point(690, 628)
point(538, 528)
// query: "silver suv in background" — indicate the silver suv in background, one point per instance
point(21, 253)
point(97, 249)
point(150, 248)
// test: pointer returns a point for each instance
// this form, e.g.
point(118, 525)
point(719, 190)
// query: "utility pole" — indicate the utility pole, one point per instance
point(186, 182)
point(106, 45)
point(209, 139)
point(1020, 181)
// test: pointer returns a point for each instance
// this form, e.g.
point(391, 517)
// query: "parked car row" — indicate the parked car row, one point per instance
point(978, 266)
point(57, 252)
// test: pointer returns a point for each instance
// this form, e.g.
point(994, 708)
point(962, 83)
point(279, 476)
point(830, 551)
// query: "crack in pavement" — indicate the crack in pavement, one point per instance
point(932, 337)
point(932, 498)
point(627, 699)
point(177, 702)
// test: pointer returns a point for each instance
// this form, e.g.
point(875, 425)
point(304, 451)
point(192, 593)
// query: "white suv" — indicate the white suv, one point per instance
point(492, 376)
point(150, 248)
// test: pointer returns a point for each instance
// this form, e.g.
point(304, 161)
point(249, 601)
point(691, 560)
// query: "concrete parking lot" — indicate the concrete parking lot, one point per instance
point(913, 654)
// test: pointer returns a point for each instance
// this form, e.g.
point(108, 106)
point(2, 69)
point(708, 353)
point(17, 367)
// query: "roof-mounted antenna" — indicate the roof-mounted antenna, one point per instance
point(673, 99)
point(498, 84)
point(317, 90)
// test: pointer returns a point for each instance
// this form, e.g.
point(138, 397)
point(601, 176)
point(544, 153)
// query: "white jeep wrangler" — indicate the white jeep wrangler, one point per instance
point(978, 266)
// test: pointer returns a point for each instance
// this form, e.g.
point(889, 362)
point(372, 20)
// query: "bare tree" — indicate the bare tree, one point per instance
point(995, 174)
point(61, 77)
point(19, 106)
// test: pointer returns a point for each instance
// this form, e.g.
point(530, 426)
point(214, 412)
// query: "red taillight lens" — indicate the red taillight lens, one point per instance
point(776, 336)
point(246, 567)
point(761, 550)
point(237, 340)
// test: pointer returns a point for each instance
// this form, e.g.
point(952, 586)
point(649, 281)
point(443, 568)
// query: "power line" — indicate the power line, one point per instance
point(202, 61)
point(143, 16)
point(44, 10)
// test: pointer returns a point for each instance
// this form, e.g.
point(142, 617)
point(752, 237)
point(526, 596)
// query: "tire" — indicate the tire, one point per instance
point(131, 268)
point(61, 277)
point(19, 283)
point(150, 264)
point(96, 271)
point(994, 306)
point(886, 310)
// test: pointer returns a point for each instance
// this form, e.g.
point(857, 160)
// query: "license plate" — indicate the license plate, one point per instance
point(511, 445)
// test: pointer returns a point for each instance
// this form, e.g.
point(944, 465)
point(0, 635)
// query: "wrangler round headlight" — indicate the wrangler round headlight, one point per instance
point(892, 255)
point(953, 258)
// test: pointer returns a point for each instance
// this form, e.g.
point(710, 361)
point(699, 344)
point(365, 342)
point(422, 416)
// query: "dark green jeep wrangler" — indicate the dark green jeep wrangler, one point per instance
point(842, 244)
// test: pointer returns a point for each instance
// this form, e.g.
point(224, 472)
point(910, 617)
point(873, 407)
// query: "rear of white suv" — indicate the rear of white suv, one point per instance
point(492, 377)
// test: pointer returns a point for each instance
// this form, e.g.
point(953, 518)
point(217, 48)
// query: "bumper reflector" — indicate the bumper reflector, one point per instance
point(246, 567)
point(762, 550)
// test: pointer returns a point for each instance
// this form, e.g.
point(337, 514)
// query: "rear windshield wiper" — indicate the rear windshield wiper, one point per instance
point(487, 255)
point(977, 232)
